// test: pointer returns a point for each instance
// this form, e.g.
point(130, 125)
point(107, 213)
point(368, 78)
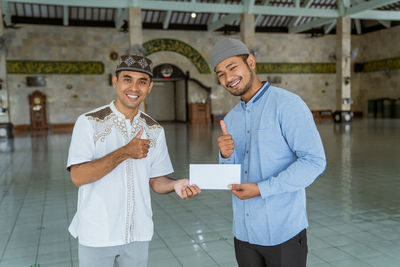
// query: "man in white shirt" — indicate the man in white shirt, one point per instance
point(116, 152)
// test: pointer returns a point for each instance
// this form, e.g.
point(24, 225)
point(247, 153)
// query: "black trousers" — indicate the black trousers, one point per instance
point(292, 253)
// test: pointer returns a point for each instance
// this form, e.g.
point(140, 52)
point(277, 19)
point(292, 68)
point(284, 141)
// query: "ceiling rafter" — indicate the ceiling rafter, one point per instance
point(297, 15)
point(352, 11)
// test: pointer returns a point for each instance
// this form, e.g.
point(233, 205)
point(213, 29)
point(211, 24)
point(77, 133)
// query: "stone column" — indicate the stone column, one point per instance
point(136, 36)
point(343, 64)
point(4, 114)
point(1, 20)
point(135, 28)
point(247, 29)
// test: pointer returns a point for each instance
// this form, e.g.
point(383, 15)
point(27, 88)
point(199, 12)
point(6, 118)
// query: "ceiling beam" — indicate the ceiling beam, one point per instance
point(215, 16)
point(385, 23)
point(66, 15)
point(368, 6)
point(293, 11)
point(121, 17)
point(310, 25)
point(377, 15)
point(259, 16)
point(83, 3)
point(215, 25)
point(6, 12)
point(192, 7)
point(358, 26)
point(328, 28)
point(307, 4)
point(167, 19)
point(195, 7)
point(361, 10)
point(249, 6)
point(220, 23)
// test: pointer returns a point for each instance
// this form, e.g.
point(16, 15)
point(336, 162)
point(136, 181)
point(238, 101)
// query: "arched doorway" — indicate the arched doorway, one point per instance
point(168, 99)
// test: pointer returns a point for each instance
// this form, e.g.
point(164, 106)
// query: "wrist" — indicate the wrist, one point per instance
point(123, 153)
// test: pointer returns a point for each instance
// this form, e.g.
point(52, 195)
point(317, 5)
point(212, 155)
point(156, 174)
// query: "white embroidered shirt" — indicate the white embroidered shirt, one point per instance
point(116, 209)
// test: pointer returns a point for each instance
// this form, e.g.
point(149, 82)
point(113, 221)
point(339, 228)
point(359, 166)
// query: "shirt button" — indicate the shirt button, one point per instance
point(245, 172)
point(247, 152)
point(248, 110)
point(247, 214)
point(248, 132)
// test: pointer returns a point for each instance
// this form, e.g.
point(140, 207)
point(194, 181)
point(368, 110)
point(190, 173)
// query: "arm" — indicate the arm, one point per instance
point(164, 185)
point(92, 171)
point(302, 137)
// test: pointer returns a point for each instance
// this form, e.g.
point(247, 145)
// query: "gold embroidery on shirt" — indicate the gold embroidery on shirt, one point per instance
point(102, 123)
point(152, 128)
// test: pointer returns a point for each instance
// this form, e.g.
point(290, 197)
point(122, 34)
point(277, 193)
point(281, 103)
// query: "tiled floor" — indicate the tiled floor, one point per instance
point(354, 208)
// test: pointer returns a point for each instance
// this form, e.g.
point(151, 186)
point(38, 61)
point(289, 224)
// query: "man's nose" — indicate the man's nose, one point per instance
point(229, 77)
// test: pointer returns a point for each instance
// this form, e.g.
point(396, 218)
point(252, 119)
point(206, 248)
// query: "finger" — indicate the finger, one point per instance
point(196, 189)
point(223, 127)
point(236, 193)
point(236, 187)
point(145, 148)
point(189, 192)
point(139, 133)
point(184, 194)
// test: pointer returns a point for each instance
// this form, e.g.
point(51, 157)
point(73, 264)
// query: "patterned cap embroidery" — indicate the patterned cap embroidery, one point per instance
point(135, 63)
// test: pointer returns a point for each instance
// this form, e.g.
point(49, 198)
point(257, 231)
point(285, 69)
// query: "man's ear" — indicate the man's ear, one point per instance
point(251, 61)
point(114, 81)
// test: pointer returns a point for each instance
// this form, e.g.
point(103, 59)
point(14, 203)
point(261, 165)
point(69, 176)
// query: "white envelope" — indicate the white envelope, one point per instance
point(214, 176)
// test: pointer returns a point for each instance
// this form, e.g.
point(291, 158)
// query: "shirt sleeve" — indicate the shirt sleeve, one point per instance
point(230, 160)
point(161, 164)
point(301, 134)
point(82, 147)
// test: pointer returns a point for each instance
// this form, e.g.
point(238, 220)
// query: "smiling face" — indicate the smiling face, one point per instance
point(237, 75)
point(132, 88)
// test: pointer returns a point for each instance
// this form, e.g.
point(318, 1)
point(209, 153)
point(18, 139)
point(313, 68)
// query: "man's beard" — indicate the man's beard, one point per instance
point(246, 87)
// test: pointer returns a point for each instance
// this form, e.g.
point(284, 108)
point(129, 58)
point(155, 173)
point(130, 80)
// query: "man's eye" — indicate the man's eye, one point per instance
point(127, 80)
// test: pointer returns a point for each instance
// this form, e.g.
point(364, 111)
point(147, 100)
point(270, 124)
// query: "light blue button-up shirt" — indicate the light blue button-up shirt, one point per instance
point(279, 148)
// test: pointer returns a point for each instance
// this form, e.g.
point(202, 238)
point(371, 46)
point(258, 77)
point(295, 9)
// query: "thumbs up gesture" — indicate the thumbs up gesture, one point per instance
point(225, 142)
point(138, 148)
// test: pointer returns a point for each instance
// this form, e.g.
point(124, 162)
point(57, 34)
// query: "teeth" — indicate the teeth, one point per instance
point(234, 84)
point(132, 96)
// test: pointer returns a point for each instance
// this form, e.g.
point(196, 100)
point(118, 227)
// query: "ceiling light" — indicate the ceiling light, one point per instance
point(193, 15)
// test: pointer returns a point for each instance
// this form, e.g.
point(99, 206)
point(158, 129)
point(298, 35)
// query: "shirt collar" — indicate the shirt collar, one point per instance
point(257, 96)
point(119, 114)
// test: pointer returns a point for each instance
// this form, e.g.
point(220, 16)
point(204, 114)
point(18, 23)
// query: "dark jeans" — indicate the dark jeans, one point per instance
point(292, 253)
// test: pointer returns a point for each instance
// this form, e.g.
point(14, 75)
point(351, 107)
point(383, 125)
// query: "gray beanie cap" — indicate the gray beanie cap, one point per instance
point(227, 48)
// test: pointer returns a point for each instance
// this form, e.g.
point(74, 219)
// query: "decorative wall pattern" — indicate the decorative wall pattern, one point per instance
point(295, 68)
point(54, 67)
point(378, 65)
point(179, 47)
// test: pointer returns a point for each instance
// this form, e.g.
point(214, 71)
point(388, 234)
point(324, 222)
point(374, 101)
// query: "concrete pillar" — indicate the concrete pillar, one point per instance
point(136, 37)
point(343, 64)
point(1, 20)
point(4, 114)
point(247, 29)
point(135, 29)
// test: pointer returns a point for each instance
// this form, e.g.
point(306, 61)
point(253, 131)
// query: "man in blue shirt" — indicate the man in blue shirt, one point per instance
point(272, 134)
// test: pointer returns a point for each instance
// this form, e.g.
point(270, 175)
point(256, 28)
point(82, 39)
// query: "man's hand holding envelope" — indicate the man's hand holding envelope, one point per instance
point(223, 176)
